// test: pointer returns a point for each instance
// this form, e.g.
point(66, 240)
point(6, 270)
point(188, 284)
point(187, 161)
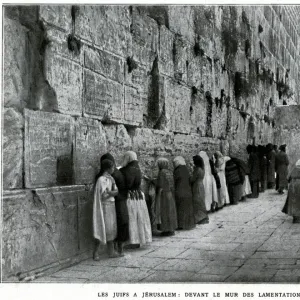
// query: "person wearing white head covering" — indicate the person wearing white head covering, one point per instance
point(139, 220)
point(210, 186)
point(220, 167)
point(183, 194)
point(292, 205)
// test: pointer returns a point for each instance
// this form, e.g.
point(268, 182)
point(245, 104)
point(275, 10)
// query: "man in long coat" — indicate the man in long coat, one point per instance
point(254, 176)
point(281, 166)
point(271, 166)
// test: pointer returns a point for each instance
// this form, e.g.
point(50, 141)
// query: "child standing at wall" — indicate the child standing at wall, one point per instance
point(104, 211)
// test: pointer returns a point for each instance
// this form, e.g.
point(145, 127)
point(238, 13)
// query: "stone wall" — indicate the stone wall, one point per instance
point(287, 131)
point(159, 80)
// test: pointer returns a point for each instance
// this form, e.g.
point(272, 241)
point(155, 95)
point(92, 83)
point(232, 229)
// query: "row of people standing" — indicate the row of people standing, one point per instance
point(264, 162)
point(120, 213)
point(214, 183)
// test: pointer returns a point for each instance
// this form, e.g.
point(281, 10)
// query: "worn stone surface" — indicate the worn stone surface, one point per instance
point(44, 226)
point(133, 111)
point(106, 26)
point(106, 64)
point(59, 16)
point(118, 139)
point(67, 84)
point(103, 98)
point(181, 21)
point(177, 107)
point(16, 68)
point(48, 149)
point(166, 62)
point(287, 130)
point(144, 31)
point(90, 144)
point(12, 147)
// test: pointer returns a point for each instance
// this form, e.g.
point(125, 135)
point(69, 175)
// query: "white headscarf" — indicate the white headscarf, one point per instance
point(128, 157)
point(179, 161)
point(205, 158)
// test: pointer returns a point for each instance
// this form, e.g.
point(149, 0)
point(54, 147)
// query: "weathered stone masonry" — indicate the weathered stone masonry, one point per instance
point(166, 80)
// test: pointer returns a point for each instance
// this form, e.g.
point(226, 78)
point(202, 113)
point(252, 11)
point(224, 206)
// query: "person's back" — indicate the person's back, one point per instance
point(181, 182)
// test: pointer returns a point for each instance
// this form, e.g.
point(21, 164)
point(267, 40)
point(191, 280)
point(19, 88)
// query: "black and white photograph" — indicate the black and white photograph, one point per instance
point(150, 143)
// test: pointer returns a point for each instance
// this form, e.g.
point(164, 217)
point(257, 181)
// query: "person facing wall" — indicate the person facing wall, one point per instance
point(165, 199)
point(198, 191)
point(183, 194)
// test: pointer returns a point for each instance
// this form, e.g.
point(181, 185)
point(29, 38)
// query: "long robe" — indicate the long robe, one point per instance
point(210, 188)
point(271, 155)
point(183, 198)
point(139, 220)
point(104, 213)
point(166, 201)
point(234, 179)
point(254, 174)
point(263, 162)
point(223, 192)
point(121, 207)
point(281, 165)
point(292, 206)
point(200, 212)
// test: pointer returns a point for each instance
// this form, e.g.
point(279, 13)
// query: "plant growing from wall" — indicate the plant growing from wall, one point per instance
point(131, 63)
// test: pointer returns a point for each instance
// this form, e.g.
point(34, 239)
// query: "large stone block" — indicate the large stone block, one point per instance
point(48, 149)
point(65, 77)
point(103, 98)
point(166, 60)
point(287, 116)
point(133, 110)
point(145, 36)
point(58, 45)
point(177, 107)
point(118, 139)
point(90, 144)
point(12, 148)
point(198, 113)
point(16, 66)
point(44, 227)
point(182, 53)
point(106, 26)
point(139, 79)
point(181, 21)
point(105, 64)
point(57, 15)
point(149, 141)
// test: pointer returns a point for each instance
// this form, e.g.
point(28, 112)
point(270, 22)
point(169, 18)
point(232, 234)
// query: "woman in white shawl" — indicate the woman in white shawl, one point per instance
point(104, 211)
point(220, 167)
point(210, 187)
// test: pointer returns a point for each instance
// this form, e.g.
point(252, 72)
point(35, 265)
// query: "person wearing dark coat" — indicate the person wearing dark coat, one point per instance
point(165, 203)
point(183, 194)
point(235, 178)
point(275, 147)
point(198, 191)
point(281, 166)
point(214, 172)
point(254, 170)
point(270, 166)
point(121, 206)
point(139, 220)
point(263, 167)
point(292, 204)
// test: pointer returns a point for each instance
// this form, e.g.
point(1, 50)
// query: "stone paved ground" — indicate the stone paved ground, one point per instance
point(249, 242)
